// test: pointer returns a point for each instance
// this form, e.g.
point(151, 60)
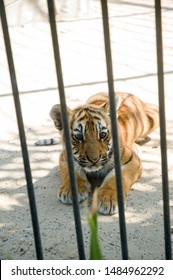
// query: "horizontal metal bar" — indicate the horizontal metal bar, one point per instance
point(88, 84)
point(30, 188)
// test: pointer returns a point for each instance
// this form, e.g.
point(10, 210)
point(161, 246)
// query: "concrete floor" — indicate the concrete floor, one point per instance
point(132, 25)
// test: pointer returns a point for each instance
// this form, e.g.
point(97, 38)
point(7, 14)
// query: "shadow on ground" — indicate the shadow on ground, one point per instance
point(144, 218)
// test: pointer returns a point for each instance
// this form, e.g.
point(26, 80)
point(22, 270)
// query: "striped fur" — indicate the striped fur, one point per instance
point(91, 138)
point(47, 142)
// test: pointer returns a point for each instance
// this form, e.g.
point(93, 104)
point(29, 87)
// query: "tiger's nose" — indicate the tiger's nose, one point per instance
point(94, 160)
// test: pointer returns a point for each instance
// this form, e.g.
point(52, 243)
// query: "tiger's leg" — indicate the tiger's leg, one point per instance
point(107, 195)
point(64, 190)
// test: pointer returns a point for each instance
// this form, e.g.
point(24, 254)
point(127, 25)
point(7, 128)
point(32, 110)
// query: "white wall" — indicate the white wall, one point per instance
point(21, 12)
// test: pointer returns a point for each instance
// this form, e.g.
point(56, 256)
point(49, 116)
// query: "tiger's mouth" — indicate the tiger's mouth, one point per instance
point(92, 165)
point(86, 164)
point(92, 168)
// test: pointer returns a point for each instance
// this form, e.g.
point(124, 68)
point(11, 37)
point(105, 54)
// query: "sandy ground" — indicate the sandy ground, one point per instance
point(83, 62)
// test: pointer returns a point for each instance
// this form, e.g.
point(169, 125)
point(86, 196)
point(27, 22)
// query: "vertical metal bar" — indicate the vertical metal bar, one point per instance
point(76, 210)
point(163, 143)
point(26, 162)
point(117, 160)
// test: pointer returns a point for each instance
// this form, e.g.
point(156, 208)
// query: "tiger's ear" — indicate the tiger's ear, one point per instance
point(118, 101)
point(55, 114)
point(105, 106)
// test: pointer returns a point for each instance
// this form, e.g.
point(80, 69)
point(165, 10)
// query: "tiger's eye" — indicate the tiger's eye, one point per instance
point(78, 137)
point(102, 135)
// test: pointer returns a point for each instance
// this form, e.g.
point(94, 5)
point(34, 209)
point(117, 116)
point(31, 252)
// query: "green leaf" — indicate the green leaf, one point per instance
point(95, 251)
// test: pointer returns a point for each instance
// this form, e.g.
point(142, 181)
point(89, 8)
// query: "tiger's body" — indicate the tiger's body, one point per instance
point(91, 138)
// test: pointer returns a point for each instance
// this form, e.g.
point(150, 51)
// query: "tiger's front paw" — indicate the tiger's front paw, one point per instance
point(107, 202)
point(65, 196)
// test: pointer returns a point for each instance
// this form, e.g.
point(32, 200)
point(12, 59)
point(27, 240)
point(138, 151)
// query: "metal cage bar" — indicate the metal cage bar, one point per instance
point(76, 210)
point(28, 175)
point(119, 186)
point(163, 142)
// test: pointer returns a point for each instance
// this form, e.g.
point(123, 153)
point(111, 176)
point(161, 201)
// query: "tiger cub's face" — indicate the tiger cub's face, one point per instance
point(90, 135)
point(91, 138)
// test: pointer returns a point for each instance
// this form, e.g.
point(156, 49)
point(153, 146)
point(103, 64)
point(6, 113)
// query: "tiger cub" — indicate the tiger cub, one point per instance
point(92, 147)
